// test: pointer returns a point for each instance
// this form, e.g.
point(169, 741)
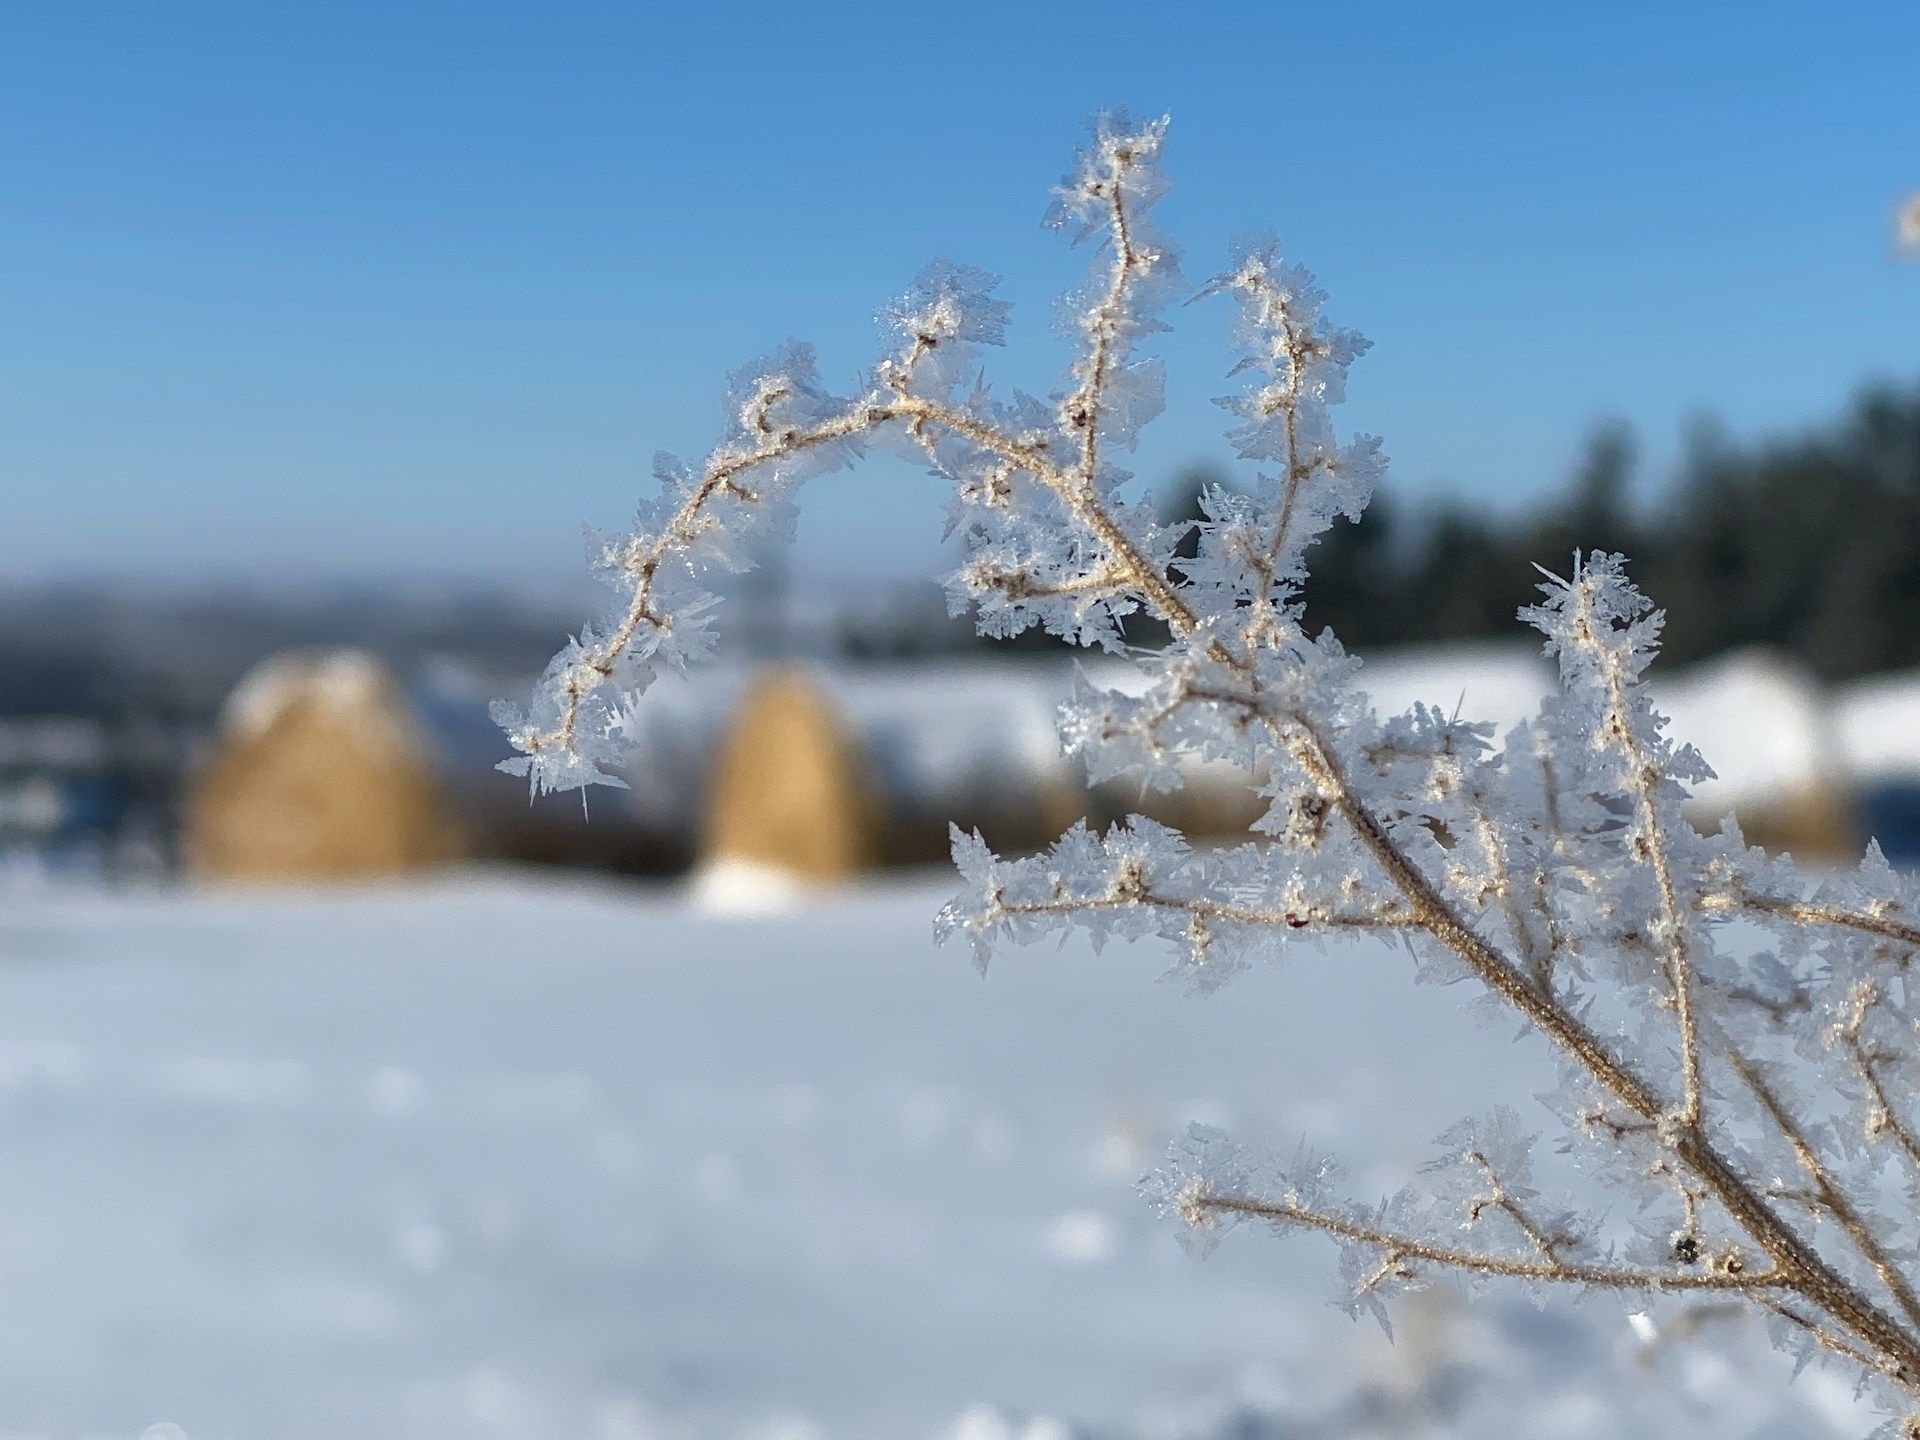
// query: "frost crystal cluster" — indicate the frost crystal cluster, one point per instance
point(1737, 1040)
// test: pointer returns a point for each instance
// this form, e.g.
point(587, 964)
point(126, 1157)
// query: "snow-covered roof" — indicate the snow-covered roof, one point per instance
point(1877, 727)
point(938, 731)
point(346, 682)
point(1499, 682)
point(1758, 718)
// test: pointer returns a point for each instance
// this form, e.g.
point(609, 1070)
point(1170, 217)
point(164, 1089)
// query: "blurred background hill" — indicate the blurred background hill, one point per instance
point(1798, 553)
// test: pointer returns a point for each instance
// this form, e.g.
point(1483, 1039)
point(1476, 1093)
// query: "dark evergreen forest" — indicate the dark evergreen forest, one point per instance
point(1810, 543)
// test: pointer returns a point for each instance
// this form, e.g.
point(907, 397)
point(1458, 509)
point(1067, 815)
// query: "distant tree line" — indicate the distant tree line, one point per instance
point(1809, 544)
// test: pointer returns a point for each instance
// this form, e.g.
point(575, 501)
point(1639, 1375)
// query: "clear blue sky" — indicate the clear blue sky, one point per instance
point(347, 287)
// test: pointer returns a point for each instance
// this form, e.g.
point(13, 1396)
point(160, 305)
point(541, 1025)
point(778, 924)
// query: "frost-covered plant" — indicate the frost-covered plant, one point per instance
point(1749, 1091)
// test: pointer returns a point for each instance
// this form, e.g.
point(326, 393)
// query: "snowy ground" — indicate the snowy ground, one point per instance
point(502, 1158)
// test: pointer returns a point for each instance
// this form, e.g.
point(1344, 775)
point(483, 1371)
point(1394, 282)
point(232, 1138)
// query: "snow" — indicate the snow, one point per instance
point(349, 683)
point(1760, 720)
point(496, 1158)
point(1878, 720)
point(731, 886)
point(1497, 682)
point(944, 733)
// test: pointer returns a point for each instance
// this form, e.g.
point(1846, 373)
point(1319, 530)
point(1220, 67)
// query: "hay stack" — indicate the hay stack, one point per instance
point(789, 789)
point(320, 772)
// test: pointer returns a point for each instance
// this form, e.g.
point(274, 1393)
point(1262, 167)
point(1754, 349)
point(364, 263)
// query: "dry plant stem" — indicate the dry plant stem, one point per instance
point(1538, 957)
point(1213, 910)
point(1084, 407)
point(1877, 1338)
point(1498, 1199)
point(1266, 562)
point(1887, 1119)
point(1795, 1264)
point(1806, 913)
point(679, 530)
point(1688, 1196)
point(1643, 777)
point(1801, 1269)
point(1832, 1199)
point(1828, 1340)
point(1299, 350)
point(1395, 1248)
point(1796, 1267)
point(863, 417)
point(1017, 585)
point(1883, 1118)
point(1075, 489)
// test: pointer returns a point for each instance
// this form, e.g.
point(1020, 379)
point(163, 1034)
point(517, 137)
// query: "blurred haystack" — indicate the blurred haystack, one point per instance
point(789, 791)
point(320, 771)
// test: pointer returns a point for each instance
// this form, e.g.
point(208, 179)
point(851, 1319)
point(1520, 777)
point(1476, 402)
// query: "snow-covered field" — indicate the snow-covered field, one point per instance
point(498, 1157)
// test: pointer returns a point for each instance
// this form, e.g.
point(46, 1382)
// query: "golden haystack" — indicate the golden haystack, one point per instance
point(1810, 822)
point(788, 789)
point(320, 772)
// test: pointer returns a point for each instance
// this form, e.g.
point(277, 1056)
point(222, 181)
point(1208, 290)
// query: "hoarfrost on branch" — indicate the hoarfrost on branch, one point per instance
point(1755, 1099)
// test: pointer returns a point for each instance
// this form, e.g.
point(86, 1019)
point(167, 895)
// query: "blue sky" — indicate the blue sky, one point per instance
point(311, 289)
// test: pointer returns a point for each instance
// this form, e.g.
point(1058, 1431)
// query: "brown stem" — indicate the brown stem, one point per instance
point(1407, 1247)
point(1807, 913)
point(1832, 1198)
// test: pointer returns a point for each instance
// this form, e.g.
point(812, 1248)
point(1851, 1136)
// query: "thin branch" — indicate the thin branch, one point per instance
point(643, 561)
point(1832, 1198)
point(1803, 912)
point(1500, 1198)
point(1018, 583)
point(1828, 1340)
point(1125, 898)
point(1795, 1264)
point(1493, 849)
point(1203, 1203)
point(1080, 500)
point(1790, 1255)
point(1560, 851)
point(1084, 406)
point(1689, 1197)
point(1301, 348)
point(1883, 1117)
point(1644, 778)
